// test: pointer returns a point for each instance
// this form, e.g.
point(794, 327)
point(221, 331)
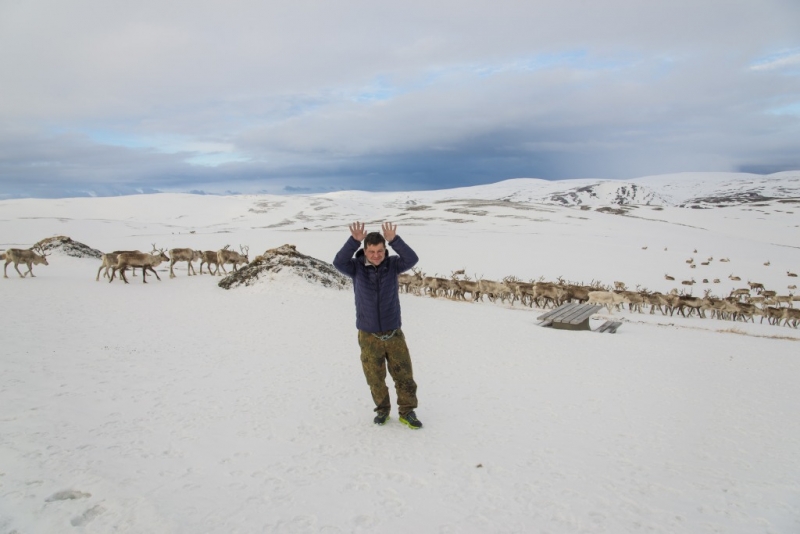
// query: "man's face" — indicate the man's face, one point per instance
point(375, 253)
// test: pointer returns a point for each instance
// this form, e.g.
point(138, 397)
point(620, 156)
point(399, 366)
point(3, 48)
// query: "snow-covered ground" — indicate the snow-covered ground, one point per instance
point(180, 407)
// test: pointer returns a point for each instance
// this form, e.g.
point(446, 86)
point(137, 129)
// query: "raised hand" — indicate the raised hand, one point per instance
point(389, 231)
point(357, 231)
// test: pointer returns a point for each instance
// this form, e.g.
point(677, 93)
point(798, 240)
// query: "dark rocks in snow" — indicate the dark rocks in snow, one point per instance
point(286, 258)
point(600, 193)
point(67, 246)
point(733, 198)
point(613, 211)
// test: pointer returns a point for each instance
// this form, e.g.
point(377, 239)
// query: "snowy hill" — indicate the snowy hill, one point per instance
point(722, 189)
point(181, 407)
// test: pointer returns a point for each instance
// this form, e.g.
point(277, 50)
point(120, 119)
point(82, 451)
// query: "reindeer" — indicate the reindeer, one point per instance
point(512, 283)
point(620, 286)
point(231, 256)
point(747, 311)
point(772, 314)
point(209, 257)
point(405, 281)
point(434, 284)
point(138, 259)
point(494, 290)
point(695, 304)
point(473, 287)
point(740, 293)
point(724, 260)
point(791, 316)
point(734, 278)
point(756, 286)
point(668, 277)
point(522, 291)
point(688, 282)
point(577, 293)
point(606, 298)
point(30, 257)
point(634, 299)
point(183, 254)
point(109, 261)
point(789, 273)
point(548, 292)
point(767, 263)
point(415, 285)
point(658, 301)
point(453, 285)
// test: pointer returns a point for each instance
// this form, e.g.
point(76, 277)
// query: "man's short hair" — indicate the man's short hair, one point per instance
point(374, 238)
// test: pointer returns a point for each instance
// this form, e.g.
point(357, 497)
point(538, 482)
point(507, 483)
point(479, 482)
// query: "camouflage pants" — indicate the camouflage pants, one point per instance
point(375, 356)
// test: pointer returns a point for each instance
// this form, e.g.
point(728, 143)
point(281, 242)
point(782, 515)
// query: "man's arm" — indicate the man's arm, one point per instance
point(344, 261)
point(406, 257)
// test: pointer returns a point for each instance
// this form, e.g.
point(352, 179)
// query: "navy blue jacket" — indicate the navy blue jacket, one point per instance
point(376, 289)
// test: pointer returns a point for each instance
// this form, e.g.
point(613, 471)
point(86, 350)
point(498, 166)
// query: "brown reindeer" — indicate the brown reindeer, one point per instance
point(740, 293)
point(138, 259)
point(30, 257)
point(183, 254)
point(209, 257)
point(756, 286)
point(109, 261)
point(230, 256)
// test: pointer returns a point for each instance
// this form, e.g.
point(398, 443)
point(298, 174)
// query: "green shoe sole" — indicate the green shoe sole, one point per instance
point(409, 424)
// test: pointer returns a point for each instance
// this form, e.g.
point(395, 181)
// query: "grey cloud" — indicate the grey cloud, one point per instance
point(313, 96)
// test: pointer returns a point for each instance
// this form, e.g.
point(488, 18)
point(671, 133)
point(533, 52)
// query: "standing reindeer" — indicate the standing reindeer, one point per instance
point(138, 259)
point(30, 257)
point(209, 257)
point(109, 261)
point(183, 254)
point(231, 256)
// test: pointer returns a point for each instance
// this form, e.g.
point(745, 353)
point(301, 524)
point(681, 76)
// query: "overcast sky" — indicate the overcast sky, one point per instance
point(103, 97)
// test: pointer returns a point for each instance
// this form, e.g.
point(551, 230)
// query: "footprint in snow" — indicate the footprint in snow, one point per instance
point(87, 516)
point(67, 495)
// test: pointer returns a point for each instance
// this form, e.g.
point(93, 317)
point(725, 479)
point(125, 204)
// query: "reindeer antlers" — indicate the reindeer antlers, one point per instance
point(39, 249)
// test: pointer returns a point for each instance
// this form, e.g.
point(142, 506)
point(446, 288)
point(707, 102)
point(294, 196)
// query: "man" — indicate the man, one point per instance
point(374, 274)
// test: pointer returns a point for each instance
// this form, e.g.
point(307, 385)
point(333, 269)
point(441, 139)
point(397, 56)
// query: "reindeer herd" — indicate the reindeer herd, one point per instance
point(741, 305)
point(121, 260)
